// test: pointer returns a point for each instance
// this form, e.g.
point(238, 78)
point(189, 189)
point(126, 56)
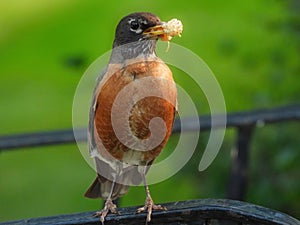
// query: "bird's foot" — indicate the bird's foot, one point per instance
point(109, 207)
point(149, 206)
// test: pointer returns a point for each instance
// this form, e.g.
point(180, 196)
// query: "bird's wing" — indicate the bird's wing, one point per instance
point(91, 139)
point(101, 79)
point(106, 169)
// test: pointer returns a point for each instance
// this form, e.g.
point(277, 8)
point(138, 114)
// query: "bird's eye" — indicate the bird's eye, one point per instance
point(134, 25)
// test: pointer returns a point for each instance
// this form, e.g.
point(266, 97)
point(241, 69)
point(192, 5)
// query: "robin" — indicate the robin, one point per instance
point(132, 111)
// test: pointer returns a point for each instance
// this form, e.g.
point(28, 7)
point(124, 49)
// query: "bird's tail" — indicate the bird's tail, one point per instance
point(101, 188)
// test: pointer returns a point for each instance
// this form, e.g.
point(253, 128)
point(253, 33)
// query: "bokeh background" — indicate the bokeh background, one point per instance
point(252, 46)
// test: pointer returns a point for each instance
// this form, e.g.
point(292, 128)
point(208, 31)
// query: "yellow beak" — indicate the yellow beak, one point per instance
point(166, 30)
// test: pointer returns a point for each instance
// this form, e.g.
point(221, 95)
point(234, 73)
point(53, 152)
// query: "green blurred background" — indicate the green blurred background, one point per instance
point(252, 46)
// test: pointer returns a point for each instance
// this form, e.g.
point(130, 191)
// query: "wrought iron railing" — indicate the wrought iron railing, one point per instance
point(245, 123)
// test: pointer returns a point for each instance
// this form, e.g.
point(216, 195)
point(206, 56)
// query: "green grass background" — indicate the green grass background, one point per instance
point(251, 46)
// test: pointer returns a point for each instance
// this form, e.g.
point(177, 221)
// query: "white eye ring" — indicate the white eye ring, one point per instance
point(135, 26)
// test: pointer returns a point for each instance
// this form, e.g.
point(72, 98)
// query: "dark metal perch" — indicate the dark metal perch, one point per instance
point(200, 212)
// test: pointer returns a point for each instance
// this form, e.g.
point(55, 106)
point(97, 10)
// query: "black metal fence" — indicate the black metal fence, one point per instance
point(193, 212)
point(244, 122)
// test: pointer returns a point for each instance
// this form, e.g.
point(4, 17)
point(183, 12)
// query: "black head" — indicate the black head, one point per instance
point(131, 27)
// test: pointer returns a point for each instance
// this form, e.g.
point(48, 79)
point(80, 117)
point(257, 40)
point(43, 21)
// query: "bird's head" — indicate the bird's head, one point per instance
point(137, 34)
point(134, 28)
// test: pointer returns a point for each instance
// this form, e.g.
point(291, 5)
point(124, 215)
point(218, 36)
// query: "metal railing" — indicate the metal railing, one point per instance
point(195, 212)
point(245, 123)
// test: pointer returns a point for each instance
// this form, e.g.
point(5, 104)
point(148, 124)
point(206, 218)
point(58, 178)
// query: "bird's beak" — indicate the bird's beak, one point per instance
point(155, 32)
point(164, 30)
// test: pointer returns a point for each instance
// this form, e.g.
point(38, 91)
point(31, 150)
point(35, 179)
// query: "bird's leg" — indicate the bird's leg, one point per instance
point(109, 206)
point(149, 204)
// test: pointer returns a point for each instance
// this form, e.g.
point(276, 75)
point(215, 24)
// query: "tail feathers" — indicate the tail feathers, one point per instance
point(101, 188)
point(94, 190)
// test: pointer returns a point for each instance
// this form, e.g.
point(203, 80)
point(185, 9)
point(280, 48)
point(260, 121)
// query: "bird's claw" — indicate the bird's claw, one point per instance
point(149, 206)
point(109, 207)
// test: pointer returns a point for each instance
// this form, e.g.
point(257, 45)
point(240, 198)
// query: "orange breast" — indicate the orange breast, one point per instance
point(149, 98)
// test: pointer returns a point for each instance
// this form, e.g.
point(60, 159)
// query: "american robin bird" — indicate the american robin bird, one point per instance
point(135, 89)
